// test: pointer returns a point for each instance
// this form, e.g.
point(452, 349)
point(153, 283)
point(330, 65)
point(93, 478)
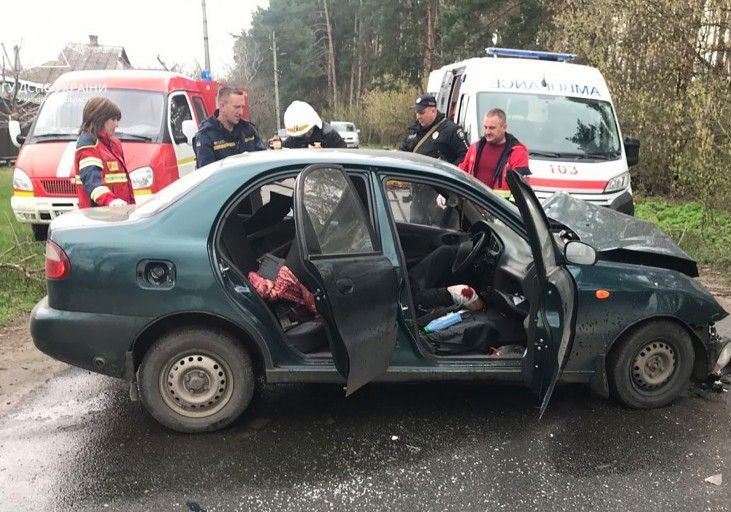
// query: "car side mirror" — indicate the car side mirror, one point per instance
point(16, 137)
point(632, 150)
point(579, 253)
point(189, 129)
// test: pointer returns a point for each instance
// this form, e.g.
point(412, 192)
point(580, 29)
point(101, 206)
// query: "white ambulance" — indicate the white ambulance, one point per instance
point(561, 111)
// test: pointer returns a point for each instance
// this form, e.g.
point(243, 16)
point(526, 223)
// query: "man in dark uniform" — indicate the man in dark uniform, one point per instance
point(225, 133)
point(433, 135)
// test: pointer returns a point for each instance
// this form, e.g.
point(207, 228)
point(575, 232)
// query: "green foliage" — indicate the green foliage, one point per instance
point(467, 27)
point(704, 233)
point(667, 66)
point(383, 115)
point(17, 292)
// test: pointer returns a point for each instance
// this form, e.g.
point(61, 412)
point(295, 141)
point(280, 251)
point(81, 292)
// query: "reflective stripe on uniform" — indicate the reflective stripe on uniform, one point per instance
point(298, 128)
point(98, 192)
point(225, 145)
point(115, 177)
point(90, 160)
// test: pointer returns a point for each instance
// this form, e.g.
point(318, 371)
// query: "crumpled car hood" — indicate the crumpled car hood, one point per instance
point(618, 237)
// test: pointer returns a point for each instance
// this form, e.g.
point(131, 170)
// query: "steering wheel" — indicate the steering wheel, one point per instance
point(468, 251)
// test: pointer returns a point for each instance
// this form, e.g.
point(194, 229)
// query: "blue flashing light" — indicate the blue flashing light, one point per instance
point(529, 54)
point(206, 74)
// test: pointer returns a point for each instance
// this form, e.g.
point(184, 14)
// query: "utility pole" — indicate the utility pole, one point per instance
point(205, 36)
point(276, 80)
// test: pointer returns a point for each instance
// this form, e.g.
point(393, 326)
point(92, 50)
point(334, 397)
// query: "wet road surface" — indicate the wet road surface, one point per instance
point(78, 443)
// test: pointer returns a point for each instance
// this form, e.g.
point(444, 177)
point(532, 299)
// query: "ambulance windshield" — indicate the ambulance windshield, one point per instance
point(557, 126)
point(60, 116)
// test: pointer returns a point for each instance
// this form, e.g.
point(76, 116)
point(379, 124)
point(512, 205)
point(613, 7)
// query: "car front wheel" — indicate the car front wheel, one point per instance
point(651, 365)
point(196, 380)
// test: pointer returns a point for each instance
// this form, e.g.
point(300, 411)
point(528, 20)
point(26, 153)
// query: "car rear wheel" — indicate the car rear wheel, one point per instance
point(651, 365)
point(196, 380)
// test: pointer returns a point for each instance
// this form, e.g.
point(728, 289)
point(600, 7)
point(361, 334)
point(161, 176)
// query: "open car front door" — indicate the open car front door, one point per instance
point(355, 285)
point(552, 296)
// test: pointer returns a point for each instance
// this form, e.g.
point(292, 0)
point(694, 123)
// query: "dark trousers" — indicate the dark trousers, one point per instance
point(430, 277)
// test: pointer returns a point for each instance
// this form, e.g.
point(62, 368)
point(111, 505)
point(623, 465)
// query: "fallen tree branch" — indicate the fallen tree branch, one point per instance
point(32, 274)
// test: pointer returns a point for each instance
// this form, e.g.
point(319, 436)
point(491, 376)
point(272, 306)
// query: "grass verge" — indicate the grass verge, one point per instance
point(18, 294)
point(703, 233)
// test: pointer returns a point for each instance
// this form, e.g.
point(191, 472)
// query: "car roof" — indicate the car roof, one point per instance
point(423, 165)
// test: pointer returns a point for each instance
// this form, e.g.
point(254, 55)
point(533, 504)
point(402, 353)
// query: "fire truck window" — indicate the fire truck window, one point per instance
point(179, 112)
point(200, 110)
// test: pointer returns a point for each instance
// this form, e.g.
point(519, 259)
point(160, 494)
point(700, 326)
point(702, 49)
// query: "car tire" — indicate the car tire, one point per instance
point(40, 232)
point(196, 380)
point(651, 365)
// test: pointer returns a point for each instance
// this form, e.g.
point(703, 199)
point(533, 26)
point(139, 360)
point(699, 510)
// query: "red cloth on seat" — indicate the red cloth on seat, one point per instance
point(285, 286)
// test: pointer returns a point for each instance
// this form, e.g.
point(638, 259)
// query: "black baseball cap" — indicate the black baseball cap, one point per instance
point(424, 101)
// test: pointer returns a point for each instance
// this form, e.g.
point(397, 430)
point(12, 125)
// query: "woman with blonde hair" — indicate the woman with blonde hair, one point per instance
point(101, 172)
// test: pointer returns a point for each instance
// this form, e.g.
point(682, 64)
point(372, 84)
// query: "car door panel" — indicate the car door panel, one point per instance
point(356, 287)
point(551, 292)
point(366, 324)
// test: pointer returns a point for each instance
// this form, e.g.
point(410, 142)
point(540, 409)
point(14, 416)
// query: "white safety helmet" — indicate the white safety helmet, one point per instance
point(299, 118)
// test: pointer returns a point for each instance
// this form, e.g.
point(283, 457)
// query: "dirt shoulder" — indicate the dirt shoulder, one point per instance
point(718, 283)
point(22, 366)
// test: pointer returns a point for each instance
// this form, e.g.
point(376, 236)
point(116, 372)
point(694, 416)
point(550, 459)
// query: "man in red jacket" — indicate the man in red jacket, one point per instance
point(495, 153)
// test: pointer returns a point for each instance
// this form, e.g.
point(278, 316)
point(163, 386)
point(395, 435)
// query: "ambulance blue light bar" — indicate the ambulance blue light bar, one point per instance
point(529, 54)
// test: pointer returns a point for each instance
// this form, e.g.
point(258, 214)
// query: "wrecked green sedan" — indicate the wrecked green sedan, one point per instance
point(308, 266)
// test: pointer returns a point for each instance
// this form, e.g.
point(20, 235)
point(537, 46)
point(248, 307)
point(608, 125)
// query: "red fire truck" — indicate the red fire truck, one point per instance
point(154, 105)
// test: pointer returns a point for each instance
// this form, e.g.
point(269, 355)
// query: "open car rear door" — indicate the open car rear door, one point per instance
point(552, 296)
point(355, 285)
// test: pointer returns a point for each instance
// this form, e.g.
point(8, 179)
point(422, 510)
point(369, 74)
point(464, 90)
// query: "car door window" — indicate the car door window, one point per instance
point(337, 224)
point(418, 203)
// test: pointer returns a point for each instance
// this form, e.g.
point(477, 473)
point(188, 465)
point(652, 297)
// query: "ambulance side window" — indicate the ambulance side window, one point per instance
point(200, 110)
point(179, 112)
point(462, 116)
point(454, 95)
point(443, 96)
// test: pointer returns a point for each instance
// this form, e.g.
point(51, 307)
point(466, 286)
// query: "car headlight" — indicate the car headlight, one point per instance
point(21, 181)
point(141, 178)
point(620, 182)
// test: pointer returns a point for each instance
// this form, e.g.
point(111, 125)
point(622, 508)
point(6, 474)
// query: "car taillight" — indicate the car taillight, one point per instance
point(58, 265)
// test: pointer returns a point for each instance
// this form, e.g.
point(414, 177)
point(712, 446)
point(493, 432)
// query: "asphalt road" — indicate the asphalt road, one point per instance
point(78, 443)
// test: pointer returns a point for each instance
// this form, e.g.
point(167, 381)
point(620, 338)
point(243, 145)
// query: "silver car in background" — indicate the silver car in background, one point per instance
point(348, 132)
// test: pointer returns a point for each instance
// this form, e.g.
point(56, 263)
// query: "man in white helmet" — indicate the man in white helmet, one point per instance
point(305, 129)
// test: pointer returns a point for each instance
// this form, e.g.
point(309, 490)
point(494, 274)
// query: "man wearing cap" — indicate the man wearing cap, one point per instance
point(433, 134)
point(305, 129)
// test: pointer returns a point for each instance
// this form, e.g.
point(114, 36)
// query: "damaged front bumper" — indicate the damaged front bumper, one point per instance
point(719, 352)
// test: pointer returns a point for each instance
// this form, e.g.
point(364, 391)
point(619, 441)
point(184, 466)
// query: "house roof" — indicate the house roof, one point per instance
point(78, 57)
